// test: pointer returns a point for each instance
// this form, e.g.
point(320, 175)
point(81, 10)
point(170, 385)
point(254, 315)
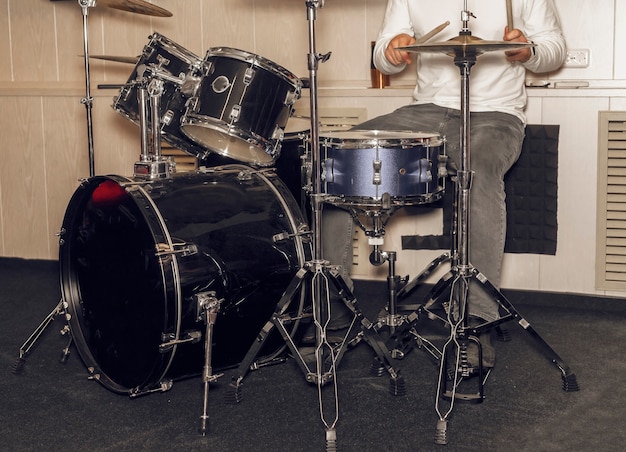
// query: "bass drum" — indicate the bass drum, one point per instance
point(136, 257)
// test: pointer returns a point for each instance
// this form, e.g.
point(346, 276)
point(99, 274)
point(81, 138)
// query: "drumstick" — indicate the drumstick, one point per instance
point(432, 33)
point(509, 14)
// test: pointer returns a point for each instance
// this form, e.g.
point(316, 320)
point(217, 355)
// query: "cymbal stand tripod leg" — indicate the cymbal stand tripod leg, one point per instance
point(59, 310)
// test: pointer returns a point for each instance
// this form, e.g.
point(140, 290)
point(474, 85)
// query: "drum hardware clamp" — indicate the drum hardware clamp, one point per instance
point(181, 249)
point(188, 337)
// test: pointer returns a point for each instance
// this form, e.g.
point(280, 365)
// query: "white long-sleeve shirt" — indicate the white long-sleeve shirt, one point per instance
point(495, 84)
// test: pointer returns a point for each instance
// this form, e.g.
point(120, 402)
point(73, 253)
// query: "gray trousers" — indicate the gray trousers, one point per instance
point(495, 144)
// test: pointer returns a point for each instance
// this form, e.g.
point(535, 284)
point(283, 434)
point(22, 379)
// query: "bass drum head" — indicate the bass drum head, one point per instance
point(136, 257)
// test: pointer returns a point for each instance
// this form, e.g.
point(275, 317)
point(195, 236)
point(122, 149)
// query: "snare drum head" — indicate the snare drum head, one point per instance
point(363, 139)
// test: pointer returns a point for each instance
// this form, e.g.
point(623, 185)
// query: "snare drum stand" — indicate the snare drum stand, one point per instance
point(318, 273)
point(462, 272)
point(390, 317)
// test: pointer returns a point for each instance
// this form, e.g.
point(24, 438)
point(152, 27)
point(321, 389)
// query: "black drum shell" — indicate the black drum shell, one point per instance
point(128, 294)
point(178, 62)
point(242, 106)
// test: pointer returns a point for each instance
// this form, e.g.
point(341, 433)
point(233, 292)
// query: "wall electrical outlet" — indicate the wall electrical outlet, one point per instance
point(577, 58)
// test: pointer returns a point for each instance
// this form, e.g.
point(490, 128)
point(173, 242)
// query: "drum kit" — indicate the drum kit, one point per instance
point(146, 260)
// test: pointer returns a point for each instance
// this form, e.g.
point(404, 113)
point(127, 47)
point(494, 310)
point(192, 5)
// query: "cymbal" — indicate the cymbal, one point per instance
point(137, 6)
point(465, 45)
point(117, 59)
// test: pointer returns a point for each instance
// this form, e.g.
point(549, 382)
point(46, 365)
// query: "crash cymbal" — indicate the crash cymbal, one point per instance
point(465, 45)
point(137, 6)
point(117, 59)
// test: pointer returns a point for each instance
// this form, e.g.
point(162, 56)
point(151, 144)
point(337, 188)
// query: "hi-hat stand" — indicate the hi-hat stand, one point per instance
point(465, 49)
point(317, 275)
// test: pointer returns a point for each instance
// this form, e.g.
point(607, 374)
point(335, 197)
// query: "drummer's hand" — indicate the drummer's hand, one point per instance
point(397, 57)
point(520, 55)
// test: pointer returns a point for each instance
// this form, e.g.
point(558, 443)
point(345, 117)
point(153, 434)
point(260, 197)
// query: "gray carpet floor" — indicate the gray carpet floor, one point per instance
point(54, 406)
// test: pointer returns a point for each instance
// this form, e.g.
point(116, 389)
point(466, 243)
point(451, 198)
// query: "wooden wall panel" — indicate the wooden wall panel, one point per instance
point(66, 158)
point(229, 23)
point(282, 34)
point(184, 27)
point(117, 140)
point(33, 42)
point(68, 18)
point(5, 42)
point(22, 175)
point(589, 25)
point(340, 24)
point(620, 40)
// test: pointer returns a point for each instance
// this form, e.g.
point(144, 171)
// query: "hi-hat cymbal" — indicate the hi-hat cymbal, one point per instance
point(117, 59)
point(465, 45)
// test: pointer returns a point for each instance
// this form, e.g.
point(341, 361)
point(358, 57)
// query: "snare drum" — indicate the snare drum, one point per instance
point(242, 106)
point(177, 62)
point(360, 167)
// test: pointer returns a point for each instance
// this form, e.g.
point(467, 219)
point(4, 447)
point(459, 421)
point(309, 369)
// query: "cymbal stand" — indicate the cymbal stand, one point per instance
point(462, 272)
point(319, 273)
point(88, 100)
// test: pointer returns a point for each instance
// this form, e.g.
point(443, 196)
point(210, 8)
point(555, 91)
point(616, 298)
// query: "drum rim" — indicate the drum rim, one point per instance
point(179, 49)
point(359, 139)
point(71, 289)
point(256, 60)
point(267, 147)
